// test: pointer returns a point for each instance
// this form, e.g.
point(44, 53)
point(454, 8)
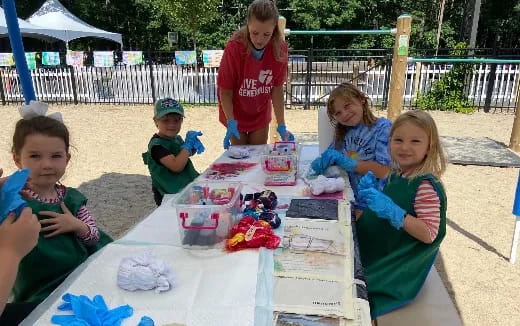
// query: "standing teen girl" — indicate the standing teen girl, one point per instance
point(251, 77)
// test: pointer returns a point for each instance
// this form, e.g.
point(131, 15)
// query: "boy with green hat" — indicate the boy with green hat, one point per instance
point(168, 155)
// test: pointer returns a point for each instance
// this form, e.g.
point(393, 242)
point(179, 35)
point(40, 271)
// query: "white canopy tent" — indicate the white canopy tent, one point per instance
point(53, 15)
point(30, 30)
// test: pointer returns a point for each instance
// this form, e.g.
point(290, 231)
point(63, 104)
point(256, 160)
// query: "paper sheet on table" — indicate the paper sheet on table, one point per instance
point(314, 235)
point(208, 291)
point(362, 313)
point(314, 282)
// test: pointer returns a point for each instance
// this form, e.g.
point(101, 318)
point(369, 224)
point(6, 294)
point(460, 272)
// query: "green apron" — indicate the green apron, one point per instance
point(163, 179)
point(395, 263)
point(53, 259)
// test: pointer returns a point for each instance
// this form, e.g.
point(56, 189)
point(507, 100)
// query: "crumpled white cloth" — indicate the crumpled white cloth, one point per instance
point(323, 184)
point(145, 272)
point(238, 152)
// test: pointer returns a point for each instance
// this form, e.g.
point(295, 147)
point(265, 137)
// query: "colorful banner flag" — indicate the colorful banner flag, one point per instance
point(133, 57)
point(211, 58)
point(31, 60)
point(6, 60)
point(51, 58)
point(103, 58)
point(185, 57)
point(75, 58)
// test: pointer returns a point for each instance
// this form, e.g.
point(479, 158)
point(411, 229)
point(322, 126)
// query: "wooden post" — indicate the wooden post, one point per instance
point(514, 143)
point(273, 135)
point(355, 75)
point(399, 63)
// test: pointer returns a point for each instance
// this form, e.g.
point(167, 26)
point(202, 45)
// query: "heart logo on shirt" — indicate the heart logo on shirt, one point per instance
point(265, 76)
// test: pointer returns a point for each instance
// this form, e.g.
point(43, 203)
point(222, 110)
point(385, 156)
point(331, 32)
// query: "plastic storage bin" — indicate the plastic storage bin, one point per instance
point(206, 212)
point(280, 163)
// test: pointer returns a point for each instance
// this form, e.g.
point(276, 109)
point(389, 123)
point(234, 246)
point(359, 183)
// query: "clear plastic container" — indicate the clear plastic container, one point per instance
point(206, 212)
point(280, 164)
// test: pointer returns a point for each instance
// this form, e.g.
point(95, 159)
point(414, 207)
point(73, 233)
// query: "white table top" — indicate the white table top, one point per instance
point(159, 230)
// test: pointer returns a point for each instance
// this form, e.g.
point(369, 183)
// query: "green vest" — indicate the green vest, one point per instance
point(53, 259)
point(163, 179)
point(396, 264)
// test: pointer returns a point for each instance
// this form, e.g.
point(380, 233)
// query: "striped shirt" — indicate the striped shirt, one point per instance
point(92, 236)
point(427, 206)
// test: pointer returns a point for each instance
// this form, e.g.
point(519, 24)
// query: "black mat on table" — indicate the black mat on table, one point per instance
point(326, 209)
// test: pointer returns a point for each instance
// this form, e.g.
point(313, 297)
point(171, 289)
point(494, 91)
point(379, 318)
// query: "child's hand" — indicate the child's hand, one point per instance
point(332, 156)
point(192, 142)
point(62, 223)
point(19, 236)
point(384, 207)
point(367, 181)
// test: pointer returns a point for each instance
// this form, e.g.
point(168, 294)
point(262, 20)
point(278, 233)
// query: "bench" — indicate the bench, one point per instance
point(431, 307)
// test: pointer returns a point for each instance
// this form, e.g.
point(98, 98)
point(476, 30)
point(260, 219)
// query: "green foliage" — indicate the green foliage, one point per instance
point(448, 93)
point(144, 24)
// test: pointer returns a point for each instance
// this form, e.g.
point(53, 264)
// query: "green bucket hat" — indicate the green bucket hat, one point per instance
point(167, 105)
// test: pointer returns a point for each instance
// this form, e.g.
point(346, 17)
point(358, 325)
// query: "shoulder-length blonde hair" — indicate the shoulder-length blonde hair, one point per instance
point(348, 91)
point(435, 160)
point(262, 10)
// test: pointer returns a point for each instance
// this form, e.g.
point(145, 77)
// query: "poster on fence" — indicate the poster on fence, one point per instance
point(103, 58)
point(75, 58)
point(6, 60)
point(185, 57)
point(211, 58)
point(51, 58)
point(31, 60)
point(133, 57)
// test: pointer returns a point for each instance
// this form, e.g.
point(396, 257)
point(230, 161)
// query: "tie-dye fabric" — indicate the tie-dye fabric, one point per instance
point(367, 144)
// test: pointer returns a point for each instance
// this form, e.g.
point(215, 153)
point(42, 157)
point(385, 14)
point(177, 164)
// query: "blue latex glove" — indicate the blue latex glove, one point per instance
point(383, 206)
point(367, 181)
point(190, 140)
point(146, 321)
point(285, 135)
point(232, 130)
point(318, 165)
point(198, 147)
point(332, 156)
point(10, 198)
point(90, 312)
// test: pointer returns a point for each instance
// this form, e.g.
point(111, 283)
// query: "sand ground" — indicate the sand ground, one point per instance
point(107, 167)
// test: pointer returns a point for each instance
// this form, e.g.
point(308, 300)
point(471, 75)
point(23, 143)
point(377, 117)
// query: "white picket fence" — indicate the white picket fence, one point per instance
point(140, 84)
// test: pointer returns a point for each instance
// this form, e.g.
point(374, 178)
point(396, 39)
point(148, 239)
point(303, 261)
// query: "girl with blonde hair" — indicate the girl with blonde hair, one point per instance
point(400, 232)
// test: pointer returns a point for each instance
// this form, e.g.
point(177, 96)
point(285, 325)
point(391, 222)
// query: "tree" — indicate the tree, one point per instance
point(189, 15)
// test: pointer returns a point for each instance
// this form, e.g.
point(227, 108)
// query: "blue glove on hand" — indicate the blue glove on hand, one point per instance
point(285, 135)
point(10, 198)
point(318, 165)
point(198, 147)
point(332, 156)
point(190, 140)
point(323, 162)
point(232, 130)
point(383, 206)
point(367, 181)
